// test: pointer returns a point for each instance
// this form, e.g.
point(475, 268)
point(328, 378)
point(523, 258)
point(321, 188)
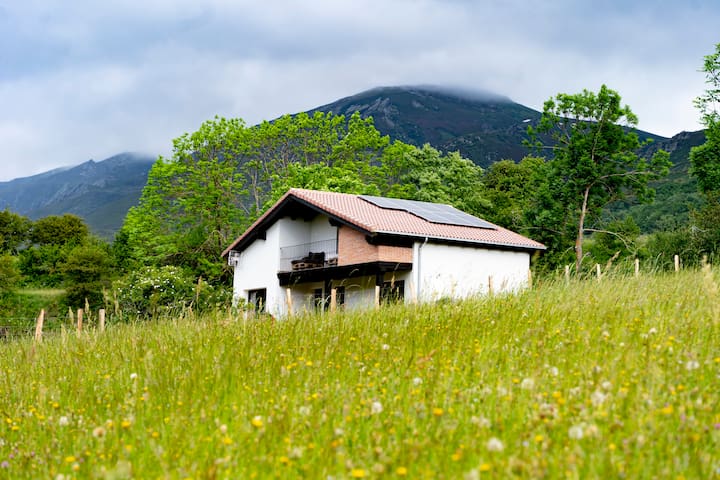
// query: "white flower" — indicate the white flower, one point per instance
point(554, 371)
point(481, 422)
point(692, 365)
point(652, 331)
point(527, 384)
point(598, 398)
point(304, 410)
point(575, 432)
point(223, 429)
point(98, 432)
point(606, 385)
point(63, 421)
point(494, 445)
point(386, 346)
point(376, 408)
point(339, 432)
point(417, 381)
point(133, 376)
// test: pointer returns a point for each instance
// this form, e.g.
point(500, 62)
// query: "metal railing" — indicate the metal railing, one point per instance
point(302, 251)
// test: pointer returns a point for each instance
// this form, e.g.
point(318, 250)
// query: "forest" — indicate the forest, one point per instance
point(220, 178)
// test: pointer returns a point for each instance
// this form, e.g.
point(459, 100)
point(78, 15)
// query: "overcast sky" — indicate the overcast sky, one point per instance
point(82, 79)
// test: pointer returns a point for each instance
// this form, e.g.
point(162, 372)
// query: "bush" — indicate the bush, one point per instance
point(161, 291)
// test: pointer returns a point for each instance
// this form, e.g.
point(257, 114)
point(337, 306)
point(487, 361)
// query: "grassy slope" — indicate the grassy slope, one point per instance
point(631, 366)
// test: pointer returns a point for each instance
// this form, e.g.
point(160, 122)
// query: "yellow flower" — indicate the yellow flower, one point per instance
point(485, 467)
point(539, 438)
point(227, 440)
point(70, 459)
point(357, 473)
point(438, 412)
point(125, 424)
point(257, 421)
point(401, 471)
point(667, 410)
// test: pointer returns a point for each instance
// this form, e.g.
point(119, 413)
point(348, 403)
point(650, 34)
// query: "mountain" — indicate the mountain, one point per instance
point(482, 126)
point(99, 192)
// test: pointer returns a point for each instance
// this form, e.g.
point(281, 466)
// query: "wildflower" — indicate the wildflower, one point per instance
point(227, 440)
point(63, 421)
point(539, 438)
point(481, 422)
point(70, 459)
point(5, 464)
point(606, 385)
point(554, 371)
point(357, 473)
point(133, 376)
point(304, 410)
point(126, 423)
point(527, 384)
point(485, 467)
point(417, 381)
point(386, 346)
point(401, 471)
point(692, 365)
point(438, 412)
point(223, 429)
point(598, 398)
point(257, 421)
point(494, 445)
point(575, 432)
point(98, 432)
point(376, 408)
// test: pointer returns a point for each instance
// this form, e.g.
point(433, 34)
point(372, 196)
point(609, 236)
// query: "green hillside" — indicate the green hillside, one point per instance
point(588, 380)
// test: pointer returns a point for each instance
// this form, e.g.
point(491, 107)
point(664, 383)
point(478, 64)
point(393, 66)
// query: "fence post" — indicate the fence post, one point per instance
point(491, 287)
point(101, 319)
point(567, 273)
point(333, 300)
point(288, 299)
point(79, 320)
point(530, 279)
point(377, 296)
point(676, 260)
point(39, 326)
point(597, 271)
point(637, 267)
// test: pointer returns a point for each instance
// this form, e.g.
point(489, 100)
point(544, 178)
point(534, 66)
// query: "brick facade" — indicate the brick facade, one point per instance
point(353, 248)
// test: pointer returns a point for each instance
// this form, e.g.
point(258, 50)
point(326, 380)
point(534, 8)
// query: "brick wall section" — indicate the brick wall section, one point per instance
point(354, 249)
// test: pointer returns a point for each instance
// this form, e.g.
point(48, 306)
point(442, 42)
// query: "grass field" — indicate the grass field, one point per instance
point(618, 379)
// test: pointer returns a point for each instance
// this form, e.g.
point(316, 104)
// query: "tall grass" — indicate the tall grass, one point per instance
point(619, 378)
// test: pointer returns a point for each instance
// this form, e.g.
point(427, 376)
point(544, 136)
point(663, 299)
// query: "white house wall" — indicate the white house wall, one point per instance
point(459, 272)
point(257, 268)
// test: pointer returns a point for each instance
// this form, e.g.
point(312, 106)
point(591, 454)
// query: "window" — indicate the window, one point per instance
point(258, 298)
point(392, 292)
point(340, 296)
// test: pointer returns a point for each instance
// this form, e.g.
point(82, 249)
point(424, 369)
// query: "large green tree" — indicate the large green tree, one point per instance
point(14, 231)
point(705, 159)
point(595, 162)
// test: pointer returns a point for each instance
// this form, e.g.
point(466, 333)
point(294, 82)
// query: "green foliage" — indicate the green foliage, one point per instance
point(40, 265)
point(87, 272)
point(595, 163)
point(591, 380)
point(709, 102)
point(14, 231)
point(705, 160)
point(617, 240)
point(59, 230)
point(9, 275)
point(153, 292)
point(512, 188)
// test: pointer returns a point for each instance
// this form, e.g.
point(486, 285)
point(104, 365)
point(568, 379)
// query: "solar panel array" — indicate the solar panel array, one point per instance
point(432, 212)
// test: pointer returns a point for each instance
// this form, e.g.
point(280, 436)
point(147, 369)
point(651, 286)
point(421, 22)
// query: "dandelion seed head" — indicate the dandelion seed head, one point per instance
point(63, 421)
point(376, 407)
point(494, 444)
point(576, 432)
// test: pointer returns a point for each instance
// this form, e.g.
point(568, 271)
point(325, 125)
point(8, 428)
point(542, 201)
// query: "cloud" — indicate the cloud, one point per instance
point(84, 79)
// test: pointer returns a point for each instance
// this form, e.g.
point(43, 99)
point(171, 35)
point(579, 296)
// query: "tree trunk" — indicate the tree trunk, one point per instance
point(581, 231)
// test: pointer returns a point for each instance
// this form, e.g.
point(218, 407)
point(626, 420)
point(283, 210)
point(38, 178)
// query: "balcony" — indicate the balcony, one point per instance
point(320, 254)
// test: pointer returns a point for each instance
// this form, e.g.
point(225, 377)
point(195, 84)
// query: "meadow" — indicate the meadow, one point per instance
point(611, 379)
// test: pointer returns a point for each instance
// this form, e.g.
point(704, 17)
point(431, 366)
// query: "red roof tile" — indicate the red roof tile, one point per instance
point(373, 219)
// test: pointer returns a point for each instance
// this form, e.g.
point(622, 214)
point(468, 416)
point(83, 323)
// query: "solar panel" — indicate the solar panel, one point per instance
point(432, 212)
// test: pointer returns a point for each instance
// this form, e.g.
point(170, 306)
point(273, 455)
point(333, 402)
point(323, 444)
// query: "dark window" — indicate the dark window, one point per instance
point(319, 300)
point(392, 292)
point(258, 298)
point(340, 295)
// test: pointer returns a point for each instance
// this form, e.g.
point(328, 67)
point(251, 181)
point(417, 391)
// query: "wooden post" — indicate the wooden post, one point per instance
point(676, 259)
point(530, 279)
point(490, 285)
point(101, 319)
point(567, 273)
point(597, 271)
point(79, 320)
point(377, 296)
point(333, 300)
point(637, 267)
point(288, 299)
point(39, 326)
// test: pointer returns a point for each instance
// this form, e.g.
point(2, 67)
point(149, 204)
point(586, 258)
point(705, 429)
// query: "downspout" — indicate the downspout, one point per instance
point(419, 277)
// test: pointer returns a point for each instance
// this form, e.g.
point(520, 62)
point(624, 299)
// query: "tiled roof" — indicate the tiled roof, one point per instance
point(373, 219)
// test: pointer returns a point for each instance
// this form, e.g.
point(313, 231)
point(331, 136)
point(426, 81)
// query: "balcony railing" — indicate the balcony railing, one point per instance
point(318, 254)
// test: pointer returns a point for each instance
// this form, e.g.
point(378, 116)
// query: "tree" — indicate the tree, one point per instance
point(9, 275)
point(59, 230)
point(14, 231)
point(595, 160)
point(86, 272)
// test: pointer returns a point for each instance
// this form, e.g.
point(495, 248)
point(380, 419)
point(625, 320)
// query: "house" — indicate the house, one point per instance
point(320, 250)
